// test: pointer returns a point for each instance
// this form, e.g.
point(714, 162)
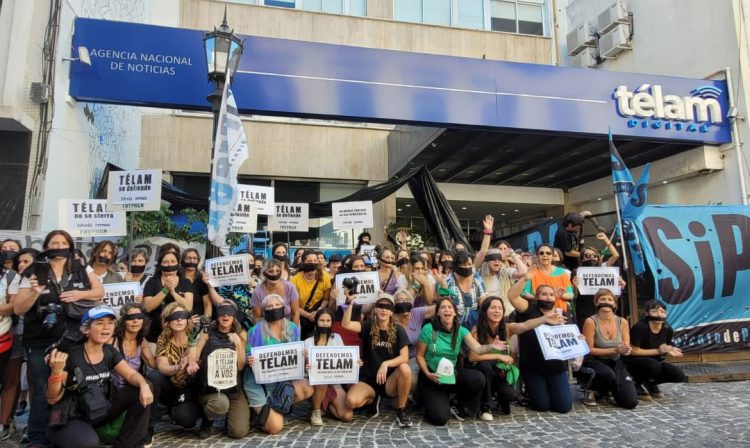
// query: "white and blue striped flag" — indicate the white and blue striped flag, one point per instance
point(230, 153)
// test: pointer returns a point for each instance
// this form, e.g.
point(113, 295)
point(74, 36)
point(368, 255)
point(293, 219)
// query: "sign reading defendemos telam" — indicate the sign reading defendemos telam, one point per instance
point(117, 295)
point(334, 365)
point(352, 215)
point(561, 342)
point(135, 190)
point(290, 217)
point(279, 362)
point(231, 270)
point(592, 279)
point(90, 217)
point(367, 290)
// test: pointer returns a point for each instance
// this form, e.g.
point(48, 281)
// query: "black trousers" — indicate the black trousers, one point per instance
point(183, 402)
point(646, 369)
point(605, 381)
point(494, 382)
point(436, 397)
point(81, 434)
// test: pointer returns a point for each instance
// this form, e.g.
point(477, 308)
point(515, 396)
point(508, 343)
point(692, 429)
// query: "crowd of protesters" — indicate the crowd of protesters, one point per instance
point(451, 335)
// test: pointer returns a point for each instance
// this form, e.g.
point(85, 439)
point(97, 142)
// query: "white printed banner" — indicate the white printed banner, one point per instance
point(592, 279)
point(366, 291)
point(232, 270)
point(369, 251)
point(279, 362)
point(561, 342)
point(334, 365)
point(90, 217)
point(262, 196)
point(352, 215)
point(134, 190)
point(221, 370)
point(290, 217)
point(116, 295)
point(244, 217)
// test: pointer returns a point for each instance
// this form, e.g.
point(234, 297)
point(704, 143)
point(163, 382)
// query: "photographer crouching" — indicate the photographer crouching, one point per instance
point(82, 395)
point(54, 294)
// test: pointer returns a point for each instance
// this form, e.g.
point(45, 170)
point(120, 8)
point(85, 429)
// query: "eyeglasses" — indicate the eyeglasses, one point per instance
point(590, 256)
point(544, 253)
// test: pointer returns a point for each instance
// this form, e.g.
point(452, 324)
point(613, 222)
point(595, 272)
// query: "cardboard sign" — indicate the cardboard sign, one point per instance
point(334, 365)
point(261, 196)
point(280, 362)
point(290, 217)
point(367, 290)
point(244, 217)
point(222, 368)
point(352, 215)
point(232, 270)
point(561, 342)
point(592, 279)
point(134, 190)
point(118, 294)
point(369, 251)
point(90, 217)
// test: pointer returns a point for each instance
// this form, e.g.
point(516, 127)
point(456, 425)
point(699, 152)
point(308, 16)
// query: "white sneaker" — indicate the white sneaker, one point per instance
point(486, 416)
point(316, 418)
point(7, 431)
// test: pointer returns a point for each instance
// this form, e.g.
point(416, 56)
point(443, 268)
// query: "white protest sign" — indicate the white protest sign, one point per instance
point(244, 217)
point(334, 365)
point(369, 251)
point(352, 215)
point(279, 362)
point(592, 279)
point(222, 368)
point(232, 270)
point(262, 196)
point(367, 290)
point(290, 217)
point(118, 294)
point(134, 190)
point(561, 342)
point(90, 217)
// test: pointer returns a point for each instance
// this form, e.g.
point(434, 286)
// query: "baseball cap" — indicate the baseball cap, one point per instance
point(97, 313)
point(446, 371)
point(386, 296)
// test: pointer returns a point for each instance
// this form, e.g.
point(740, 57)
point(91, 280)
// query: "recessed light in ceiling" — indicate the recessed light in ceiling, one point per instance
point(463, 208)
point(665, 182)
point(502, 214)
point(470, 172)
point(442, 170)
point(598, 199)
point(408, 205)
point(516, 210)
point(399, 210)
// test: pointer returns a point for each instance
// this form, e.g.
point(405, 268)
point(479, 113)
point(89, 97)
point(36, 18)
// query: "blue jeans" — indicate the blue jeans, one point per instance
point(550, 392)
point(38, 373)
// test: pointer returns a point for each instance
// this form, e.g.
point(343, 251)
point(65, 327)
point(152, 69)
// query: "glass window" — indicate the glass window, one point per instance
point(470, 14)
point(437, 12)
point(280, 3)
point(530, 19)
point(407, 10)
point(503, 16)
point(333, 6)
point(358, 8)
point(311, 5)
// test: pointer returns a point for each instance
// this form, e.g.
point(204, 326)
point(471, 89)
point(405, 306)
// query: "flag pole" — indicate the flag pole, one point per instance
point(622, 235)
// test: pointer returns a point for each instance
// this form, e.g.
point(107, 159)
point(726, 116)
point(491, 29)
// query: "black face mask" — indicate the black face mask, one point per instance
point(385, 262)
point(272, 277)
point(590, 263)
point(323, 330)
point(57, 253)
point(282, 258)
point(308, 267)
point(257, 271)
point(463, 272)
point(273, 315)
point(174, 268)
point(545, 305)
point(9, 255)
point(189, 264)
point(606, 305)
point(402, 262)
point(402, 307)
point(137, 269)
point(656, 318)
point(447, 264)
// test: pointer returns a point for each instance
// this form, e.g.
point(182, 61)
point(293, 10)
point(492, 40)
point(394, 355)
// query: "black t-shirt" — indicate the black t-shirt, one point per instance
point(566, 242)
point(34, 334)
point(373, 357)
point(532, 357)
point(96, 375)
point(642, 336)
point(200, 289)
point(152, 288)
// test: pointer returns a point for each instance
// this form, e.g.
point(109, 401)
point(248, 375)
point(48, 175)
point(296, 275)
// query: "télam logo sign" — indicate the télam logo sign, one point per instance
point(648, 107)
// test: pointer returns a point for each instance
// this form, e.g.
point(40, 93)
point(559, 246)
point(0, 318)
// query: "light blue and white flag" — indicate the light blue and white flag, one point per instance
point(230, 153)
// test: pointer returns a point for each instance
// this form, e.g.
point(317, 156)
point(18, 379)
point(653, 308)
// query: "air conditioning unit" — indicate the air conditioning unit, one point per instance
point(614, 15)
point(39, 92)
point(615, 42)
point(587, 58)
point(582, 36)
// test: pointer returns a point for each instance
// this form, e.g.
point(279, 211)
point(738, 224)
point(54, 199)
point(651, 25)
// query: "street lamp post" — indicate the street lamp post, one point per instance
point(223, 50)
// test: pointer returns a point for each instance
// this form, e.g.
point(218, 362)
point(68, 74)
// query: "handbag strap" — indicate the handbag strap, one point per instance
point(312, 293)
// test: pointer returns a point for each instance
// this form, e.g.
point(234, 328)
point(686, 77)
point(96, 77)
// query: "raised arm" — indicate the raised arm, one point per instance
point(489, 226)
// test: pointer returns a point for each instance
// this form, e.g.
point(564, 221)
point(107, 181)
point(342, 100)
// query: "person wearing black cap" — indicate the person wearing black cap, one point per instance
point(568, 240)
point(97, 402)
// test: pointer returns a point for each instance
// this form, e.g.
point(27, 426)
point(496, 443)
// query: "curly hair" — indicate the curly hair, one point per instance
point(375, 329)
point(166, 331)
